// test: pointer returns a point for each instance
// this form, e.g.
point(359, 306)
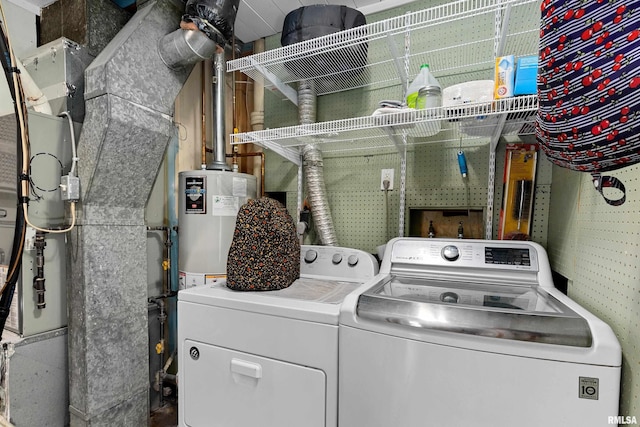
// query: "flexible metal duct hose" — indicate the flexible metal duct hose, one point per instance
point(306, 102)
point(313, 168)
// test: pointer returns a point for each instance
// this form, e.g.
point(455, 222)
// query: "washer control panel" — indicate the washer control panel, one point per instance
point(335, 261)
point(490, 254)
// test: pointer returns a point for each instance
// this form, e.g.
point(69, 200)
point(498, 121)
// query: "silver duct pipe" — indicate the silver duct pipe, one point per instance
point(219, 149)
point(313, 168)
point(182, 48)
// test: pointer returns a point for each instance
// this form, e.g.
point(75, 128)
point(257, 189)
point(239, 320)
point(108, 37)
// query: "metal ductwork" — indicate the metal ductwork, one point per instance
point(219, 149)
point(130, 91)
point(183, 48)
point(313, 168)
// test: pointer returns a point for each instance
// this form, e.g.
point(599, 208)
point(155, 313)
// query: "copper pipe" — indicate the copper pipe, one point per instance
point(203, 161)
point(254, 154)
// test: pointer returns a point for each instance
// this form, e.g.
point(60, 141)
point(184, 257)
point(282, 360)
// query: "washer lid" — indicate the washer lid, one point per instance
point(522, 313)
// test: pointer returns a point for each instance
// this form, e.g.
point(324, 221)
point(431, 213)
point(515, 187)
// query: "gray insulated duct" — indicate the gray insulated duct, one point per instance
point(314, 169)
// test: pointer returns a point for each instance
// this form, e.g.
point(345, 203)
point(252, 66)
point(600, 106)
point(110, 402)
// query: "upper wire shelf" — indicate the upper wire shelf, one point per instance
point(374, 54)
point(386, 53)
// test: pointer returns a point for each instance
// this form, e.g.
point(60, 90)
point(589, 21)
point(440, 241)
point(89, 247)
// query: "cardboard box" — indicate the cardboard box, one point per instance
point(526, 81)
point(504, 77)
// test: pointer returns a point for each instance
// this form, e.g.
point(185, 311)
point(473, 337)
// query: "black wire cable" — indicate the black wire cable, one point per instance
point(6, 63)
point(20, 227)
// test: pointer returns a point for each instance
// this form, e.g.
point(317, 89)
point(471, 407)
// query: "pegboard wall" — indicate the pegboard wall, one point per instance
point(363, 215)
point(597, 247)
point(594, 245)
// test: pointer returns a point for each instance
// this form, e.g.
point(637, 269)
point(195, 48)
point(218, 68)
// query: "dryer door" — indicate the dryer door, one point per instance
point(229, 388)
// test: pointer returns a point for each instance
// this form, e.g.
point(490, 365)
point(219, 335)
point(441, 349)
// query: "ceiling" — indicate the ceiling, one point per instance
point(261, 18)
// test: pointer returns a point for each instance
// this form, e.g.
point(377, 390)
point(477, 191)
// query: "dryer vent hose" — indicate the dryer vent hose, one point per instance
point(313, 169)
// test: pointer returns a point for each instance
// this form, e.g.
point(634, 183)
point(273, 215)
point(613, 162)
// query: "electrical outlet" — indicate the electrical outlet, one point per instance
point(386, 175)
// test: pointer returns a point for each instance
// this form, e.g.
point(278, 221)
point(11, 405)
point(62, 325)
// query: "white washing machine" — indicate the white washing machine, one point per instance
point(267, 359)
point(472, 333)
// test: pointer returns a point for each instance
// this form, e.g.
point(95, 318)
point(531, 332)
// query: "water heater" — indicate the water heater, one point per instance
point(209, 201)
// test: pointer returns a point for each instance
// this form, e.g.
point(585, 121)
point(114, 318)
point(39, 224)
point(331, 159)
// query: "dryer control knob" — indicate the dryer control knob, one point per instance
point(336, 259)
point(310, 256)
point(352, 260)
point(450, 253)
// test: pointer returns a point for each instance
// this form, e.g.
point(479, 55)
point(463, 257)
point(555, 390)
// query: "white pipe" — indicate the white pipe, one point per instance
point(257, 116)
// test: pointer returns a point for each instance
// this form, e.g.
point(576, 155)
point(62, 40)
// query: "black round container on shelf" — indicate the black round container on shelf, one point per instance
point(309, 22)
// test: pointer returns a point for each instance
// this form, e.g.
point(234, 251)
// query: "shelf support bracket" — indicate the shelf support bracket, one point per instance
point(290, 93)
point(488, 226)
point(495, 139)
point(397, 140)
point(502, 29)
point(292, 155)
point(400, 141)
point(395, 54)
point(403, 186)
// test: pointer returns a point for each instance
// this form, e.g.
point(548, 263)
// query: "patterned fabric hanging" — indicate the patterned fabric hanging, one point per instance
point(588, 80)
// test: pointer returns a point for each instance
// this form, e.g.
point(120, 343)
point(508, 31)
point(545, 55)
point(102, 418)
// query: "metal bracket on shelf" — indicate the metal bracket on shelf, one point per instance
point(502, 27)
point(290, 154)
point(488, 227)
point(399, 142)
point(400, 66)
point(290, 93)
point(495, 138)
point(403, 187)
point(497, 131)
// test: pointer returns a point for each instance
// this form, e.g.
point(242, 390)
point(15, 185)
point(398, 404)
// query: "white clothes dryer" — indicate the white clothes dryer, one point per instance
point(269, 358)
point(472, 333)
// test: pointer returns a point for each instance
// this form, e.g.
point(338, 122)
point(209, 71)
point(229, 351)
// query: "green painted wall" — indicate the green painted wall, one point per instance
point(597, 247)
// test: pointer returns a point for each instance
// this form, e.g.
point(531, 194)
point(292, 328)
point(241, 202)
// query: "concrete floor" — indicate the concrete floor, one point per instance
point(167, 416)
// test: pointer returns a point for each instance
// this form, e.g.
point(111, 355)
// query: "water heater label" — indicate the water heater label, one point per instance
point(190, 280)
point(195, 194)
point(224, 205)
point(239, 187)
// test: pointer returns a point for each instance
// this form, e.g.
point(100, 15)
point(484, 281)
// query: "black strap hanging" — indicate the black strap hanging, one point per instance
point(602, 182)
